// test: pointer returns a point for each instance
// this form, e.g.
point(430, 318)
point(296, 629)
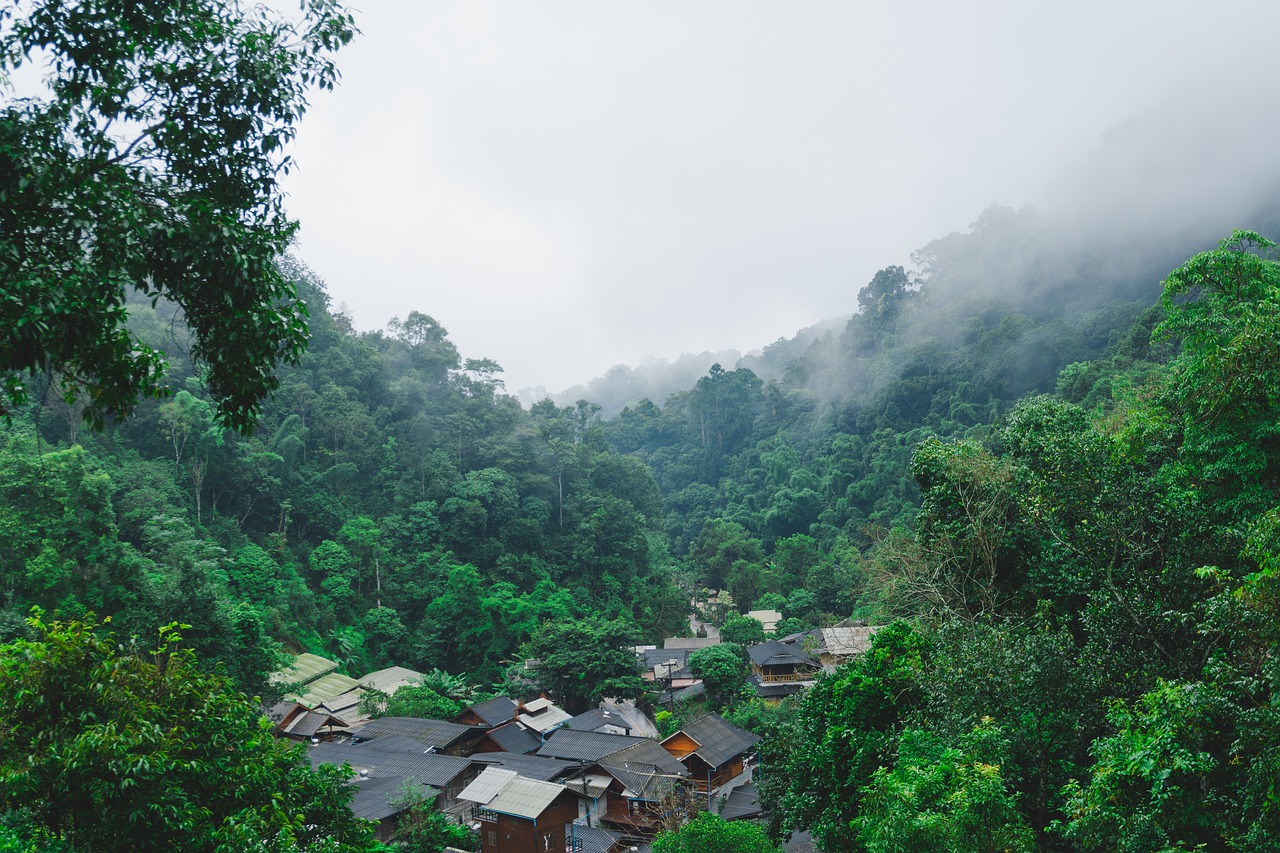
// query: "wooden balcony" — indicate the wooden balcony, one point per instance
point(787, 677)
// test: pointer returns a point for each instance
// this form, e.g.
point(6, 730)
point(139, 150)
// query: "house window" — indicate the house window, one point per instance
point(493, 838)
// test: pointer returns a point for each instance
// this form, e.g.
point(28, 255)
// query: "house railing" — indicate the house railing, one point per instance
point(787, 677)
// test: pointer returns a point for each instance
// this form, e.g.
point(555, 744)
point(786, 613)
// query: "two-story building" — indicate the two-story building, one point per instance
point(714, 751)
point(515, 814)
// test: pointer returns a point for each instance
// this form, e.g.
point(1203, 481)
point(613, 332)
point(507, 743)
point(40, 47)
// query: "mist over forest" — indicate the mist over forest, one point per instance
point(1158, 186)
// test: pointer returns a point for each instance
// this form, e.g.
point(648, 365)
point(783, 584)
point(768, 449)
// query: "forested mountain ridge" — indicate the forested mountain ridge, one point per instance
point(395, 504)
point(1090, 659)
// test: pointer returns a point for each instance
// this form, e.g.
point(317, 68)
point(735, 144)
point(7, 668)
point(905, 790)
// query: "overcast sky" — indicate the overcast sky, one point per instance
point(569, 186)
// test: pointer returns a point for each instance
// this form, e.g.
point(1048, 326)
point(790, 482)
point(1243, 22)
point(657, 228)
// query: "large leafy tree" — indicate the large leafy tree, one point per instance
point(101, 741)
point(151, 166)
point(723, 668)
point(943, 798)
point(584, 660)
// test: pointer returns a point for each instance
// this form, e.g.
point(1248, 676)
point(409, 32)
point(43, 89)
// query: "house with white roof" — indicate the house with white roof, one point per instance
point(515, 814)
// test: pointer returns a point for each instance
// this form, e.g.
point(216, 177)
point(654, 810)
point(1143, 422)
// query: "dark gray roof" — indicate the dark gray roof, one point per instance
point(719, 740)
point(585, 746)
point(590, 839)
point(395, 743)
point(775, 653)
point(376, 799)
point(531, 766)
point(495, 711)
point(437, 733)
point(438, 771)
point(682, 694)
point(596, 719)
point(645, 768)
point(513, 737)
point(653, 657)
point(280, 710)
point(743, 803)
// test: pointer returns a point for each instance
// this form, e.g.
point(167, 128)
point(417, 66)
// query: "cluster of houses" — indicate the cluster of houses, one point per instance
point(527, 776)
point(779, 667)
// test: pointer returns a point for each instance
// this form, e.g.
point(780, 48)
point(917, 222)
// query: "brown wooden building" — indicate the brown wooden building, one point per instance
point(713, 750)
point(516, 814)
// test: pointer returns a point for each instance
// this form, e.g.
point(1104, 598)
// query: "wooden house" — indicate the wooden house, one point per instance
point(775, 662)
point(643, 789)
point(714, 751)
point(490, 714)
point(515, 814)
point(842, 643)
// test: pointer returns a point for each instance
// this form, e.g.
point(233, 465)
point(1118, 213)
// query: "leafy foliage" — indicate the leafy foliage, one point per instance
point(423, 828)
point(582, 661)
point(154, 164)
point(742, 630)
point(1098, 607)
point(103, 740)
point(711, 832)
point(939, 798)
point(723, 668)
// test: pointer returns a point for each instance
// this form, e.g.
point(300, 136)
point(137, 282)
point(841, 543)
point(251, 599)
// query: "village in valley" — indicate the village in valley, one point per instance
point(525, 775)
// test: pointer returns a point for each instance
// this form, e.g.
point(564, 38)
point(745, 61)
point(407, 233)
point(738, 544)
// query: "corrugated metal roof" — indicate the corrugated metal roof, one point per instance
point(660, 657)
point(537, 704)
point(592, 785)
point(347, 706)
point(344, 701)
point(306, 725)
point(487, 785)
point(546, 769)
point(438, 771)
point(513, 737)
point(718, 740)
point(495, 711)
point(438, 733)
point(526, 798)
point(574, 745)
point(391, 679)
point(590, 839)
point(394, 743)
point(546, 720)
point(646, 770)
point(507, 792)
point(742, 803)
point(326, 687)
point(596, 719)
point(649, 752)
point(682, 694)
point(376, 799)
point(305, 668)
